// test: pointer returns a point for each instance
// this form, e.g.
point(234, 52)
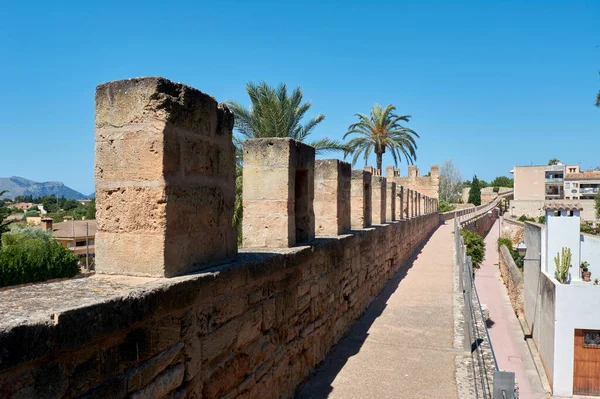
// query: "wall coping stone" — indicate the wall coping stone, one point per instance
point(40, 318)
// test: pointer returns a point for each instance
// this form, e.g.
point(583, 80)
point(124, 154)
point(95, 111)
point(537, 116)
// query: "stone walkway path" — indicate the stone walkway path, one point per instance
point(511, 349)
point(402, 346)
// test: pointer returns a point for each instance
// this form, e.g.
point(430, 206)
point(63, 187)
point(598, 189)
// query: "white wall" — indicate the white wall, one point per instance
point(590, 252)
point(562, 231)
point(577, 306)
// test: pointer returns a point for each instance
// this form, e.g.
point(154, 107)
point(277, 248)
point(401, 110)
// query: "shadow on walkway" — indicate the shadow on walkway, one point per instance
point(319, 384)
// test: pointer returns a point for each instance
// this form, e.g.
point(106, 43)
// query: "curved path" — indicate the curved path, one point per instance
point(402, 347)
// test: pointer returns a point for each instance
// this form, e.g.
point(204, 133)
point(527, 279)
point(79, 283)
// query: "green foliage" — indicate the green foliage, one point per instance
point(275, 113)
point(496, 189)
point(475, 193)
point(553, 161)
point(586, 228)
point(597, 205)
point(562, 265)
point(505, 241)
point(90, 210)
point(513, 253)
point(445, 207)
point(524, 218)
point(31, 255)
point(381, 131)
point(31, 212)
point(503, 181)
point(475, 247)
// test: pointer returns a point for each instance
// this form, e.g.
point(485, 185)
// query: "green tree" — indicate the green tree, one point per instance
point(274, 113)
point(30, 254)
point(90, 210)
point(475, 247)
point(475, 193)
point(381, 131)
point(553, 161)
point(597, 205)
point(503, 181)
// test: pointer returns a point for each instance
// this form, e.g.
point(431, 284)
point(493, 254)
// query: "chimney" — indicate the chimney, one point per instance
point(47, 224)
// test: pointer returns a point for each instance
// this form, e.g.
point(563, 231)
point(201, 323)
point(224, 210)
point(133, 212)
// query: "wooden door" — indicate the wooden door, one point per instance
point(586, 369)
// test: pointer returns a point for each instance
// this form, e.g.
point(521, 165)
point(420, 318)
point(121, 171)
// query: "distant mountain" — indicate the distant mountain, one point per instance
point(20, 186)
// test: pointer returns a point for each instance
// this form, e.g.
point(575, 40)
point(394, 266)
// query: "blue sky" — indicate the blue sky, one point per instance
point(490, 84)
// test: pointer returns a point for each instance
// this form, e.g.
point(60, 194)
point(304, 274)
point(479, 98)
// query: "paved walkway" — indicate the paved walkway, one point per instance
point(402, 346)
point(511, 349)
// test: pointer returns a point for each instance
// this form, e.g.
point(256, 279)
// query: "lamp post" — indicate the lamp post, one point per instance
point(522, 249)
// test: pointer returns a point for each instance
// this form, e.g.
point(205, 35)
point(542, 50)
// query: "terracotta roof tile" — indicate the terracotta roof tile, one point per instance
point(590, 175)
point(562, 206)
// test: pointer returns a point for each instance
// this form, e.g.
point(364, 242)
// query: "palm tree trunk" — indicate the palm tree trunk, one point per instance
point(379, 160)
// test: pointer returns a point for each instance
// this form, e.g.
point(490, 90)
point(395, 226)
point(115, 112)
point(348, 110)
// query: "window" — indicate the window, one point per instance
point(80, 243)
point(567, 185)
point(591, 338)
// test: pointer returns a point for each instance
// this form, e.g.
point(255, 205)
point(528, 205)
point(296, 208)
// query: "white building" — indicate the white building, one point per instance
point(564, 319)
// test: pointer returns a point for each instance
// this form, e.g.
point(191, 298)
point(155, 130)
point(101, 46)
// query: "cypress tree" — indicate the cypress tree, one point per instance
point(475, 193)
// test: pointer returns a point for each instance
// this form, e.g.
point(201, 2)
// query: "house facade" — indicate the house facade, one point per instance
point(564, 317)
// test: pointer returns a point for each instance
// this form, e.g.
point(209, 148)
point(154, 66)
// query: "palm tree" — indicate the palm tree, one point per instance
point(380, 131)
point(274, 113)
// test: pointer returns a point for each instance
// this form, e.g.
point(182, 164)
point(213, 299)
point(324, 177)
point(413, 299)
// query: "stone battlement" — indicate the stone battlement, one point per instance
point(424, 185)
point(320, 241)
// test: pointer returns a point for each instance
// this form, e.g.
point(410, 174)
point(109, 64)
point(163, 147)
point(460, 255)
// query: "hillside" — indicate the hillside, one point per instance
point(20, 186)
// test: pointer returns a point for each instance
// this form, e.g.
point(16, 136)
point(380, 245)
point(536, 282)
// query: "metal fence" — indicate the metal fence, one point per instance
point(490, 382)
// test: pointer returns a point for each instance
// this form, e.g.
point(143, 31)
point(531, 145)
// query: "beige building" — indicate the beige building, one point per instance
point(76, 235)
point(536, 185)
point(582, 185)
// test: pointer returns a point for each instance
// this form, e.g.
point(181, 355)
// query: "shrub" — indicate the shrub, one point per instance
point(31, 255)
point(496, 189)
point(505, 241)
point(475, 247)
point(446, 207)
point(31, 212)
point(586, 228)
point(541, 220)
point(513, 253)
point(524, 218)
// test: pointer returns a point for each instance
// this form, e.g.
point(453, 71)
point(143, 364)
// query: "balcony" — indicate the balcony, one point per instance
point(554, 180)
point(589, 190)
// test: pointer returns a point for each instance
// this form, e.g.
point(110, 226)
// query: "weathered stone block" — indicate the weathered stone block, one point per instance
point(360, 199)
point(390, 208)
point(144, 374)
point(332, 197)
point(165, 171)
point(163, 384)
point(278, 193)
point(378, 196)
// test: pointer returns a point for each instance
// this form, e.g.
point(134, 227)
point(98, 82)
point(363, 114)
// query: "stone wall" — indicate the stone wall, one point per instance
point(252, 326)
point(251, 329)
point(513, 280)
point(426, 185)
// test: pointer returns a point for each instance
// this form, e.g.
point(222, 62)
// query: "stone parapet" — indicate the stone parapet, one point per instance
point(332, 197)
point(426, 185)
point(361, 205)
point(254, 328)
point(378, 197)
point(390, 208)
point(164, 172)
point(278, 193)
